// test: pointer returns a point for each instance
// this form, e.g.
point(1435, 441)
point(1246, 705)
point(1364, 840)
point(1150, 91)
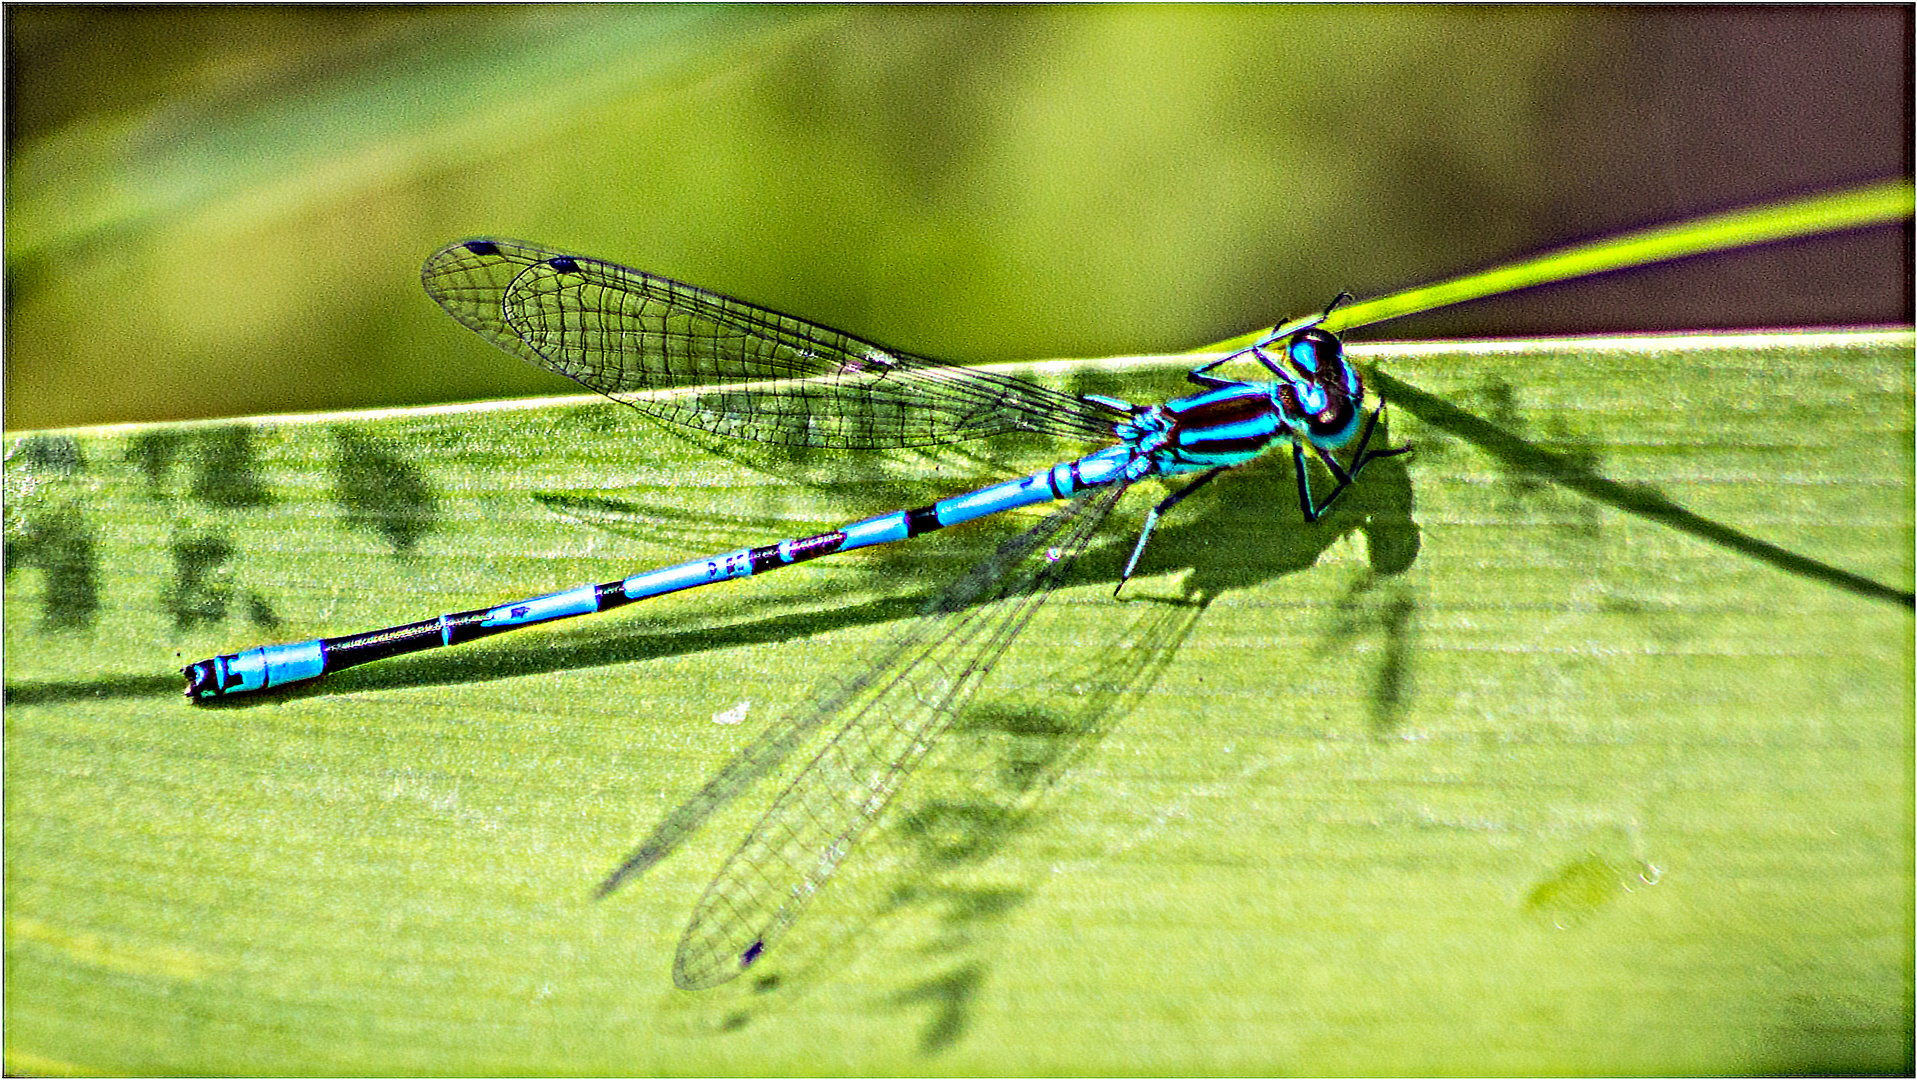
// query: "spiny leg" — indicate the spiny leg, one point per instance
point(1359, 459)
point(1151, 521)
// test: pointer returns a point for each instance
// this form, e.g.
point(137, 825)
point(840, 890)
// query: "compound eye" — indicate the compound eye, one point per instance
point(1333, 419)
point(1314, 352)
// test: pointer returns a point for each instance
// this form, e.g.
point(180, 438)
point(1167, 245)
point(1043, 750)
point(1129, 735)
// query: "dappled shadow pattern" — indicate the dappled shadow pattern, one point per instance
point(46, 529)
point(200, 589)
point(59, 542)
point(381, 492)
point(226, 470)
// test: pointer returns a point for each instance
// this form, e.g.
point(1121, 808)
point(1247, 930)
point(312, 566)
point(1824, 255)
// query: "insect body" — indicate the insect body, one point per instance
point(692, 357)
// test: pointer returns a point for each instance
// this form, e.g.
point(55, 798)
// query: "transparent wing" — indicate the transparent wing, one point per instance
point(694, 357)
point(891, 716)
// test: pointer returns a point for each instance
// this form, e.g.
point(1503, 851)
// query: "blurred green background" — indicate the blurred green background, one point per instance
point(222, 211)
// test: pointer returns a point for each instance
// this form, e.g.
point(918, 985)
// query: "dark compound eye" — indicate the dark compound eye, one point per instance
point(1331, 419)
point(1312, 351)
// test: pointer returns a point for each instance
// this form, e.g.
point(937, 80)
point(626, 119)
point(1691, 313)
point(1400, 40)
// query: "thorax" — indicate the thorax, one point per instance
point(1226, 426)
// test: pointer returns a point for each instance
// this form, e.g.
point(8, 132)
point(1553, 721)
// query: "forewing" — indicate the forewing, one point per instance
point(694, 357)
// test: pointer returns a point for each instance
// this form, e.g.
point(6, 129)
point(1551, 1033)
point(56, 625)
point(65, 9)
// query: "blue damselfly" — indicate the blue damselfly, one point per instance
point(692, 357)
point(719, 365)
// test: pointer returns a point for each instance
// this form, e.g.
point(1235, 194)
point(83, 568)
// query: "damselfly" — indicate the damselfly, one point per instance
point(709, 362)
point(692, 357)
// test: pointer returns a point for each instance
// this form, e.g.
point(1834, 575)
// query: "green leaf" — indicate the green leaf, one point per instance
point(1577, 741)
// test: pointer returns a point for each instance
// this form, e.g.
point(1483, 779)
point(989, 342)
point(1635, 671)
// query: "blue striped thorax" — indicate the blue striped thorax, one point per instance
point(1316, 397)
point(1227, 426)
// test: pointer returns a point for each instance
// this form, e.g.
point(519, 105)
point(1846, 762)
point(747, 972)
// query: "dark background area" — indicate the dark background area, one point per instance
point(222, 211)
